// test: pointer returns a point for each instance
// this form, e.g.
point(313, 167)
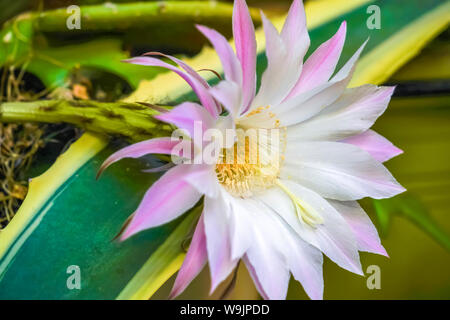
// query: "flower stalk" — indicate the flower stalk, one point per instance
point(123, 16)
point(133, 121)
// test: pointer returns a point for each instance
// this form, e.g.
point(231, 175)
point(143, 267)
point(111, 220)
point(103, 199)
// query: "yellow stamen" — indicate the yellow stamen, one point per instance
point(252, 164)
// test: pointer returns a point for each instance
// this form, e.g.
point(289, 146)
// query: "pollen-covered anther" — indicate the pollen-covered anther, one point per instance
point(257, 111)
point(252, 164)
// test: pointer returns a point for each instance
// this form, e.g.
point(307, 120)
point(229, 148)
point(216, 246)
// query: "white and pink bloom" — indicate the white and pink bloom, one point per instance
point(278, 215)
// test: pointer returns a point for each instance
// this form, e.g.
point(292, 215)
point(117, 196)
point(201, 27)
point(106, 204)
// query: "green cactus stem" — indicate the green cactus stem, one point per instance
point(133, 121)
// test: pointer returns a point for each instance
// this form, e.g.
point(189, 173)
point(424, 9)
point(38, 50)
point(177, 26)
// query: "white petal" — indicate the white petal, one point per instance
point(338, 171)
point(304, 259)
point(310, 103)
point(279, 202)
point(283, 69)
point(231, 65)
point(242, 216)
point(167, 199)
point(365, 232)
point(218, 243)
point(229, 94)
point(378, 146)
point(321, 64)
point(275, 248)
point(299, 109)
point(245, 43)
point(267, 255)
point(334, 236)
point(194, 262)
point(203, 178)
point(251, 270)
point(305, 262)
point(349, 66)
point(294, 33)
point(354, 112)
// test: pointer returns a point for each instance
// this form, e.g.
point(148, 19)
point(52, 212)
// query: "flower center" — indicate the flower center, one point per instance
point(253, 163)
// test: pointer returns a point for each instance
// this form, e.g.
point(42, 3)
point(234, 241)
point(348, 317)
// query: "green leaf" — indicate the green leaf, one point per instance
point(68, 218)
point(431, 65)
point(411, 208)
point(24, 41)
point(15, 41)
point(53, 65)
point(162, 263)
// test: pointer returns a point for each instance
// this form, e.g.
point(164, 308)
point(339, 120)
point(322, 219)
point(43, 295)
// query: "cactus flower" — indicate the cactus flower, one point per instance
point(280, 213)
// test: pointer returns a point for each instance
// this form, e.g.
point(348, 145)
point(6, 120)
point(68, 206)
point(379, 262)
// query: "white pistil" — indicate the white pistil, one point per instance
point(305, 212)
